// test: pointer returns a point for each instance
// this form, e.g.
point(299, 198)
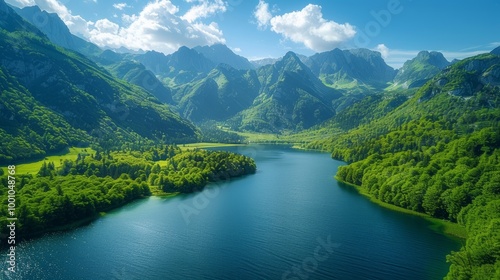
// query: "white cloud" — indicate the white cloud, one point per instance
point(308, 27)
point(204, 9)
point(461, 55)
point(494, 44)
point(384, 50)
point(20, 3)
point(237, 50)
point(396, 58)
point(106, 26)
point(262, 14)
point(157, 27)
point(128, 19)
point(121, 6)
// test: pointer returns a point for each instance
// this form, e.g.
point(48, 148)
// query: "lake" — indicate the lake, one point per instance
point(290, 220)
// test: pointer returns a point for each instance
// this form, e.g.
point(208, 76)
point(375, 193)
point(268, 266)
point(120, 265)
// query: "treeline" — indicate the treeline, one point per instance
point(437, 153)
point(93, 183)
point(212, 134)
point(27, 128)
point(444, 169)
point(458, 181)
point(188, 172)
point(438, 180)
point(45, 203)
point(449, 170)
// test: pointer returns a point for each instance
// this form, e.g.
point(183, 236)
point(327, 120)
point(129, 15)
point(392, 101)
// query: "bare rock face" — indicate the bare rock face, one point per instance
point(492, 76)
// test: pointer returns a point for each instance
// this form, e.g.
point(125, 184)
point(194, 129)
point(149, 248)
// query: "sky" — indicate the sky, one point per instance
point(258, 29)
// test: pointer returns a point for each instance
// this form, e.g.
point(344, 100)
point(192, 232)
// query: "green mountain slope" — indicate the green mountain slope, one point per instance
point(351, 68)
point(222, 94)
point(417, 71)
point(183, 66)
point(81, 93)
point(29, 129)
point(291, 98)
point(118, 64)
point(438, 153)
point(221, 54)
point(137, 74)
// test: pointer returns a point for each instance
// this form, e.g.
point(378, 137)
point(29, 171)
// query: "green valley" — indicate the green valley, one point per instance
point(88, 129)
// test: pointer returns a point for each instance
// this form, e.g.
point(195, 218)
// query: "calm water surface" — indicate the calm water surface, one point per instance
point(291, 220)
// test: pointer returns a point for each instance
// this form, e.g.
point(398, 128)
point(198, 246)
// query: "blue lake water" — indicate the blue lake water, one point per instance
point(290, 220)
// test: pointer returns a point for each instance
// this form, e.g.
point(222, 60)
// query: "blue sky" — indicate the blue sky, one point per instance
point(265, 28)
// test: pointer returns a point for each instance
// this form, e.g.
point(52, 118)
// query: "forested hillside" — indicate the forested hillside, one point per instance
point(80, 189)
point(425, 137)
point(438, 153)
point(52, 98)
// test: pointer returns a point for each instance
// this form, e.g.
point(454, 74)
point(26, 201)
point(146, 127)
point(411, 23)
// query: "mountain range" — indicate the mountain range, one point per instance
point(53, 98)
point(205, 83)
point(425, 137)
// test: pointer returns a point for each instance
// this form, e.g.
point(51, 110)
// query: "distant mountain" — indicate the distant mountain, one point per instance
point(496, 51)
point(183, 66)
point(466, 78)
point(263, 62)
point(219, 53)
point(186, 64)
point(52, 26)
point(222, 94)
point(359, 66)
point(137, 74)
point(155, 62)
point(417, 71)
point(85, 102)
point(291, 98)
point(11, 21)
point(109, 57)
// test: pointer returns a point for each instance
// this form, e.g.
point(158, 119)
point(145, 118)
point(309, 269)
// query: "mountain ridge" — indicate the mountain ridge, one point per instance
point(55, 29)
point(417, 71)
point(291, 98)
point(221, 54)
point(81, 93)
point(362, 66)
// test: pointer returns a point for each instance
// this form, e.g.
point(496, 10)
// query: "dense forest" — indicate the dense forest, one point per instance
point(94, 183)
point(433, 147)
point(437, 153)
point(52, 98)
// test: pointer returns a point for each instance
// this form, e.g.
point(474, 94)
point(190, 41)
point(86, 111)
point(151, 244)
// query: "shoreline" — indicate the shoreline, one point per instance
point(88, 220)
point(450, 229)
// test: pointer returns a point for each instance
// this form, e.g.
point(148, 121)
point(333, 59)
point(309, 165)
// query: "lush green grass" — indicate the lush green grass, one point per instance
point(157, 191)
point(446, 227)
point(256, 137)
point(285, 137)
point(34, 167)
point(191, 146)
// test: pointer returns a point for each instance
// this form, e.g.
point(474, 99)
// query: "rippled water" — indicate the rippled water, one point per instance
point(291, 220)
